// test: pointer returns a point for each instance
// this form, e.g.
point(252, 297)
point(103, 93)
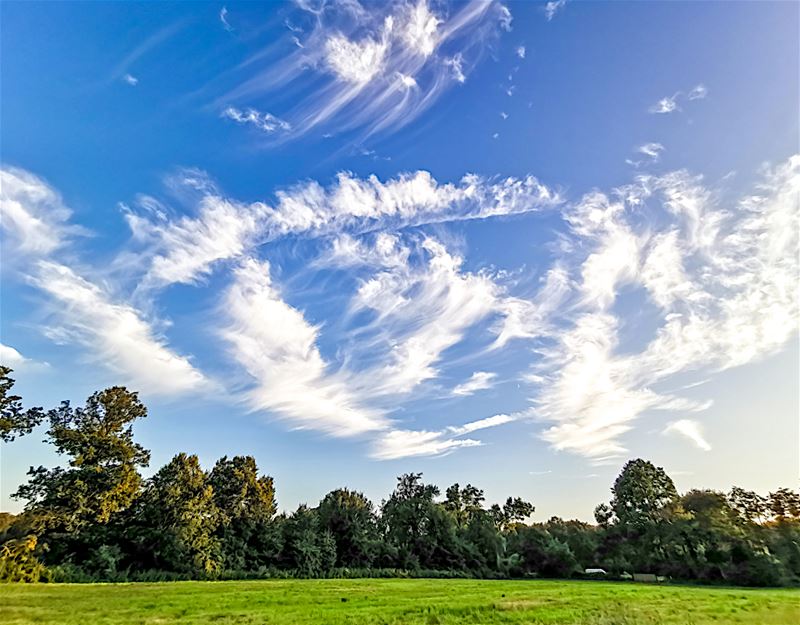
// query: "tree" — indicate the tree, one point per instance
point(14, 419)
point(246, 504)
point(784, 504)
point(464, 503)
point(514, 511)
point(750, 506)
point(350, 518)
point(643, 493)
point(420, 532)
point(176, 520)
point(103, 477)
point(307, 548)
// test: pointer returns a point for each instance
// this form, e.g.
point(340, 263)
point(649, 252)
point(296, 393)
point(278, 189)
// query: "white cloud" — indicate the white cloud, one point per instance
point(504, 17)
point(724, 280)
point(35, 221)
point(481, 424)
point(456, 64)
point(114, 334)
point(480, 380)
point(668, 104)
point(691, 430)
point(652, 150)
point(278, 348)
point(131, 80)
point(353, 56)
point(355, 62)
point(553, 7)
point(698, 92)
point(185, 250)
point(521, 52)
point(265, 122)
point(10, 357)
point(421, 313)
point(397, 444)
point(223, 18)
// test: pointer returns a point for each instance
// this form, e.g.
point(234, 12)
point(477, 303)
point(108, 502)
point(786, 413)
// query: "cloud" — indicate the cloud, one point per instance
point(520, 51)
point(691, 430)
point(352, 58)
point(36, 224)
point(278, 348)
point(114, 334)
point(698, 92)
point(185, 250)
point(553, 7)
point(10, 357)
point(397, 444)
point(670, 104)
point(223, 18)
point(122, 69)
point(479, 381)
point(652, 150)
point(421, 313)
point(35, 221)
point(481, 424)
point(724, 281)
point(263, 121)
point(131, 80)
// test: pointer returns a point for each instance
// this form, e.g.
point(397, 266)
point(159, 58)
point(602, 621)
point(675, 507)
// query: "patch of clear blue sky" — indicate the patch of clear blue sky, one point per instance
point(578, 110)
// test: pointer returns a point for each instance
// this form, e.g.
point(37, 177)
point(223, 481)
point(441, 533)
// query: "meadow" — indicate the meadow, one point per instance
point(393, 601)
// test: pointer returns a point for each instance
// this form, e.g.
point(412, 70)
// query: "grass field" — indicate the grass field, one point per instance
point(355, 602)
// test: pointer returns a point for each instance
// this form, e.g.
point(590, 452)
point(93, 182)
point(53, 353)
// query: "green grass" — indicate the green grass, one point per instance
point(354, 602)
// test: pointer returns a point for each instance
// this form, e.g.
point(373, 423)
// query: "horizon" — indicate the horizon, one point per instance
point(510, 244)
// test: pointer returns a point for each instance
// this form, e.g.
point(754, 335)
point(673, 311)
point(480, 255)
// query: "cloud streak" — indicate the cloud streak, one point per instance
point(372, 71)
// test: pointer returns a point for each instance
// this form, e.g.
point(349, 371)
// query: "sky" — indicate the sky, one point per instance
point(512, 244)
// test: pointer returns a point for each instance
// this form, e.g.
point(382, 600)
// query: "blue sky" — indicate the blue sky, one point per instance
point(512, 245)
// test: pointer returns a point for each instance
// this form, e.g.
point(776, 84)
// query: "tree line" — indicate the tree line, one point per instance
point(98, 519)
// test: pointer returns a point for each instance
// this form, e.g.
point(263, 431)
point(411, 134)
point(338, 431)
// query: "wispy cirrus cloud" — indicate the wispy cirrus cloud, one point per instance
point(396, 444)
point(36, 227)
point(553, 7)
point(184, 250)
point(278, 348)
point(266, 122)
point(723, 279)
point(373, 71)
point(670, 104)
point(689, 429)
point(479, 381)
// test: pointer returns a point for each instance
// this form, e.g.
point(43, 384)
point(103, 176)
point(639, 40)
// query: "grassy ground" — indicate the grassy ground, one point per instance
point(412, 602)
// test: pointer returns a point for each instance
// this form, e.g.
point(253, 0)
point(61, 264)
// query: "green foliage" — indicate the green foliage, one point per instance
point(14, 419)
point(350, 519)
point(176, 518)
point(19, 561)
point(103, 477)
point(308, 547)
point(96, 519)
point(643, 494)
point(246, 505)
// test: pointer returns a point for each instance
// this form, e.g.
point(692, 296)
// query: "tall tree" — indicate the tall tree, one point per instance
point(177, 519)
point(350, 518)
point(246, 504)
point(103, 477)
point(643, 493)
